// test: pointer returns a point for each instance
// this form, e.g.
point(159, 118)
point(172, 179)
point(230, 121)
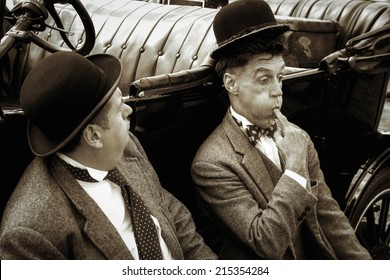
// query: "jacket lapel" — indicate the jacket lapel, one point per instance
point(140, 176)
point(252, 160)
point(96, 224)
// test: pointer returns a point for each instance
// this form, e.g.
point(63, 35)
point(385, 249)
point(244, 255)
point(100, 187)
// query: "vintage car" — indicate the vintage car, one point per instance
point(335, 87)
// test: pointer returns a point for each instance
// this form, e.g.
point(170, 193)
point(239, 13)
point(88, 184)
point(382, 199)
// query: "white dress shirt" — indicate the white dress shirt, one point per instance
point(268, 147)
point(108, 196)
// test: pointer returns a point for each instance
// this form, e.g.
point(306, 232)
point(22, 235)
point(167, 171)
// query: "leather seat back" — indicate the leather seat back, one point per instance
point(153, 39)
point(354, 17)
point(149, 38)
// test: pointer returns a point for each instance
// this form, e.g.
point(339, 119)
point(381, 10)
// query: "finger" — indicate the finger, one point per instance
point(279, 129)
point(278, 135)
point(281, 118)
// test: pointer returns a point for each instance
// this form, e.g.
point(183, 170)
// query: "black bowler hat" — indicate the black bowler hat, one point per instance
point(63, 93)
point(242, 20)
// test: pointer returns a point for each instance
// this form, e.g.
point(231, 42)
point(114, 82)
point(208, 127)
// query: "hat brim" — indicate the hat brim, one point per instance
point(40, 145)
point(271, 31)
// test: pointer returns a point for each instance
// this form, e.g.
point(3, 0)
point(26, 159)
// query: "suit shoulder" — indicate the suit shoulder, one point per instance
point(32, 196)
point(215, 144)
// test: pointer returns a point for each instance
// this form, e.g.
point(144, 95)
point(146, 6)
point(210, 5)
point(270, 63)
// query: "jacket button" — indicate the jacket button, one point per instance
point(307, 208)
point(300, 218)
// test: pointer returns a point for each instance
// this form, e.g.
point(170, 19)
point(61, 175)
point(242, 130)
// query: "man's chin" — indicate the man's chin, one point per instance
point(270, 123)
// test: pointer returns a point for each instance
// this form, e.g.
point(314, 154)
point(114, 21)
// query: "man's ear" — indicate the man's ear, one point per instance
point(92, 136)
point(229, 80)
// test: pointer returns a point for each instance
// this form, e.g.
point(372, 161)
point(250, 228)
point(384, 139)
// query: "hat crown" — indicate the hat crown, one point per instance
point(241, 21)
point(56, 104)
point(241, 17)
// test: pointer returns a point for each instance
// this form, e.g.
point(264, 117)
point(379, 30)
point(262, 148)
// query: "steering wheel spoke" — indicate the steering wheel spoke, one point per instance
point(31, 16)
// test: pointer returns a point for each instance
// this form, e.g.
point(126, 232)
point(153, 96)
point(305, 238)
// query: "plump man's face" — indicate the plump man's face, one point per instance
point(257, 88)
point(116, 137)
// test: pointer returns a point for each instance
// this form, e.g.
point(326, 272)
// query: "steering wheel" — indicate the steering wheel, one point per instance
point(85, 18)
point(31, 16)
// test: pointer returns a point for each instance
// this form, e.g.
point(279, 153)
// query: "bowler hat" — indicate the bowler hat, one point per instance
point(242, 20)
point(63, 93)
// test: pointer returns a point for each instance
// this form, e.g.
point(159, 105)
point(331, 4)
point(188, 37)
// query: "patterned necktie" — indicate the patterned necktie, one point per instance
point(145, 231)
point(254, 133)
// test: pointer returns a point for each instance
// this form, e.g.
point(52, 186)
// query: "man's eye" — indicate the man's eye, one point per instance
point(264, 81)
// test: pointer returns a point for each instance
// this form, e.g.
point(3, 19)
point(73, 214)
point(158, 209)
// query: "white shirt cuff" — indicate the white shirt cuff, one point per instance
point(302, 181)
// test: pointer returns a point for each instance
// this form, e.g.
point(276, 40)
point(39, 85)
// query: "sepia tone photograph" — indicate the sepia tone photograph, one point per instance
point(195, 130)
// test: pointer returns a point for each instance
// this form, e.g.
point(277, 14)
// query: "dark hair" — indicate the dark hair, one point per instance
point(100, 119)
point(239, 55)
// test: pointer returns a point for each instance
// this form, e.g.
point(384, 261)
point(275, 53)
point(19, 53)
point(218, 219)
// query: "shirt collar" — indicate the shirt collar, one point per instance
point(96, 174)
point(240, 118)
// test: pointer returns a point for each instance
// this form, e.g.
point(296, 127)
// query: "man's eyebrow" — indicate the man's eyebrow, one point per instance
point(261, 69)
point(266, 69)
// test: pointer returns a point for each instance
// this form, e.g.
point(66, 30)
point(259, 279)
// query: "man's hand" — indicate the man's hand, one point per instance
point(292, 144)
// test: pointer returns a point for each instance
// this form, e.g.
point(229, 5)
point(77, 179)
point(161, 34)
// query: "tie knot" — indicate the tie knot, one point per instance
point(115, 176)
point(254, 133)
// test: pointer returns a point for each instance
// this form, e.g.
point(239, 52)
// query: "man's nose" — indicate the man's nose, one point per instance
point(276, 89)
point(128, 110)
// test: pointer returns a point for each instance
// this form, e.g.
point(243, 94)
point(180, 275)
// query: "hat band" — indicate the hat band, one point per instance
point(246, 31)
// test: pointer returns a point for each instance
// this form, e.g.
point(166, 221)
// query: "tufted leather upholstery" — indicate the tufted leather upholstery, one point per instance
point(153, 39)
point(355, 17)
point(149, 38)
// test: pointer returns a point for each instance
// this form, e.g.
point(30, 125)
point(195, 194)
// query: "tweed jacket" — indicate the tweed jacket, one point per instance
point(263, 213)
point(50, 216)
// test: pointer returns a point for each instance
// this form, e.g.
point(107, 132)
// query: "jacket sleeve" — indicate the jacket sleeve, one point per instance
point(20, 243)
point(192, 244)
point(331, 218)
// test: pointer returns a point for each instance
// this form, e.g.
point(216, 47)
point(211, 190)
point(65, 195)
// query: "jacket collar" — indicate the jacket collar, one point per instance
point(108, 241)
